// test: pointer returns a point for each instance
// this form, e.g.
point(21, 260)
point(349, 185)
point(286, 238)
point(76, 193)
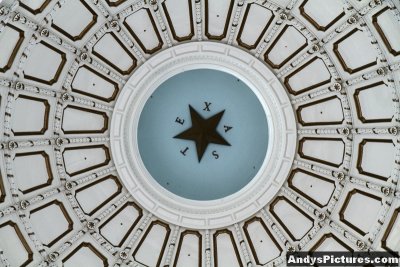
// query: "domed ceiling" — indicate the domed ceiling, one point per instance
point(64, 65)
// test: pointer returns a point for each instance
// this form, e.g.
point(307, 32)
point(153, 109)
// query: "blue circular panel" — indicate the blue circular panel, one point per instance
point(203, 134)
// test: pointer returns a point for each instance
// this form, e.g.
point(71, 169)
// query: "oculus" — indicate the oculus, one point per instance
point(184, 129)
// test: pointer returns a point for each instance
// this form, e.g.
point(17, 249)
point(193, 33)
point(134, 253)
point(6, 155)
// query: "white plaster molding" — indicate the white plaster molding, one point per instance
point(203, 214)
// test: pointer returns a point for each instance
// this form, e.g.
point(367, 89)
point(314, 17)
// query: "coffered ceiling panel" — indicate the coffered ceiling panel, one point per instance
point(32, 116)
point(72, 125)
point(91, 83)
point(180, 22)
point(151, 248)
point(256, 21)
point(217, 18)
point(315, 188)
point(375, 158)
point(77, 28)
point(293, 219)
point(121, 59)
point(78, 160)
point(360, 220)
point(145, 33)
point(372, 94)
point(289, 40)
point(354, 58)
point(329, 151)
point(383, 21)
point(311, 75)
point(189, 251)
point(263, 245)
point(11, 40)
point(226, 252)
point(119, 226)
point(329, 242)
point(49, 232)
point(85, 254)
point(103, 190)
point(52, 62)
point(390, 239)
point(16, 247)
point(39, 176)
point(35, 6)
point(322, 17)
point(326, 111)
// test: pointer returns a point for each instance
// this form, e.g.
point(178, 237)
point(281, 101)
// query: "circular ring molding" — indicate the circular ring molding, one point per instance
point(192, 213)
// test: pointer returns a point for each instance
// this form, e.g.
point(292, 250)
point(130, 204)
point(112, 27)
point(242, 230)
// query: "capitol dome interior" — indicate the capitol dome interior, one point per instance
point(102, 163)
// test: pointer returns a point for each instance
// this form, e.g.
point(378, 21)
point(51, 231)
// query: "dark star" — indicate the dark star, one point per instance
point(203, 131)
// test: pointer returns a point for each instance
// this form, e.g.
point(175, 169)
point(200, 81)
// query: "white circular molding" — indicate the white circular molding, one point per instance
point(215, 213)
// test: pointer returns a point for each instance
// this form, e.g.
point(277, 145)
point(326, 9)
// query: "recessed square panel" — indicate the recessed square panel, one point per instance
point(31, 116)
point(51, 231)
point(11, 39)
point(32, 171)
point(14, 245)
point(360, 219)
point(84, 19)
point(85, 255)
point(44, 63)
point(355, 51)
point(35, 6)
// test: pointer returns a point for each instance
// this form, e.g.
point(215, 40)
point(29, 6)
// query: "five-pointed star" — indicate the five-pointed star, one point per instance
point(203, 131)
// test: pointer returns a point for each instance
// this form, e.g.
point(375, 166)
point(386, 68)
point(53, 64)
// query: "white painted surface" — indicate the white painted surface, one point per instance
point(323, 14)
point(315, 188)
point(311, 75)
point(389, 25)
point(226, 252)
point(265, 248)
point(290, 41)
point(381, 98)
point(91, 83)
point(282, 3)
point(29, 115)
point(151, 248)
point(8, 41)
point(73, 9)
point(34, 4)
point(257, 19)
point(84, 257)
point(378, 158)
point(294, 220)
point(143, 30)
point(42, 62)
point(331, 151)
point(357, 50)
point(77, 120)
point(330, 244)
point(83, 158)
point(33, 176)
point(48, 230)
point(217, 16)
point(12, 246)
point(362, 218)
point(393, 240)
point(326, 111)
point(91, 197)
point(189, 254)
point(117, 55)
point(180, 18)
point(115, 229)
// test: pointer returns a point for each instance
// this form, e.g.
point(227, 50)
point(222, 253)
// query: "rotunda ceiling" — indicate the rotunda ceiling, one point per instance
point(69, 70)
